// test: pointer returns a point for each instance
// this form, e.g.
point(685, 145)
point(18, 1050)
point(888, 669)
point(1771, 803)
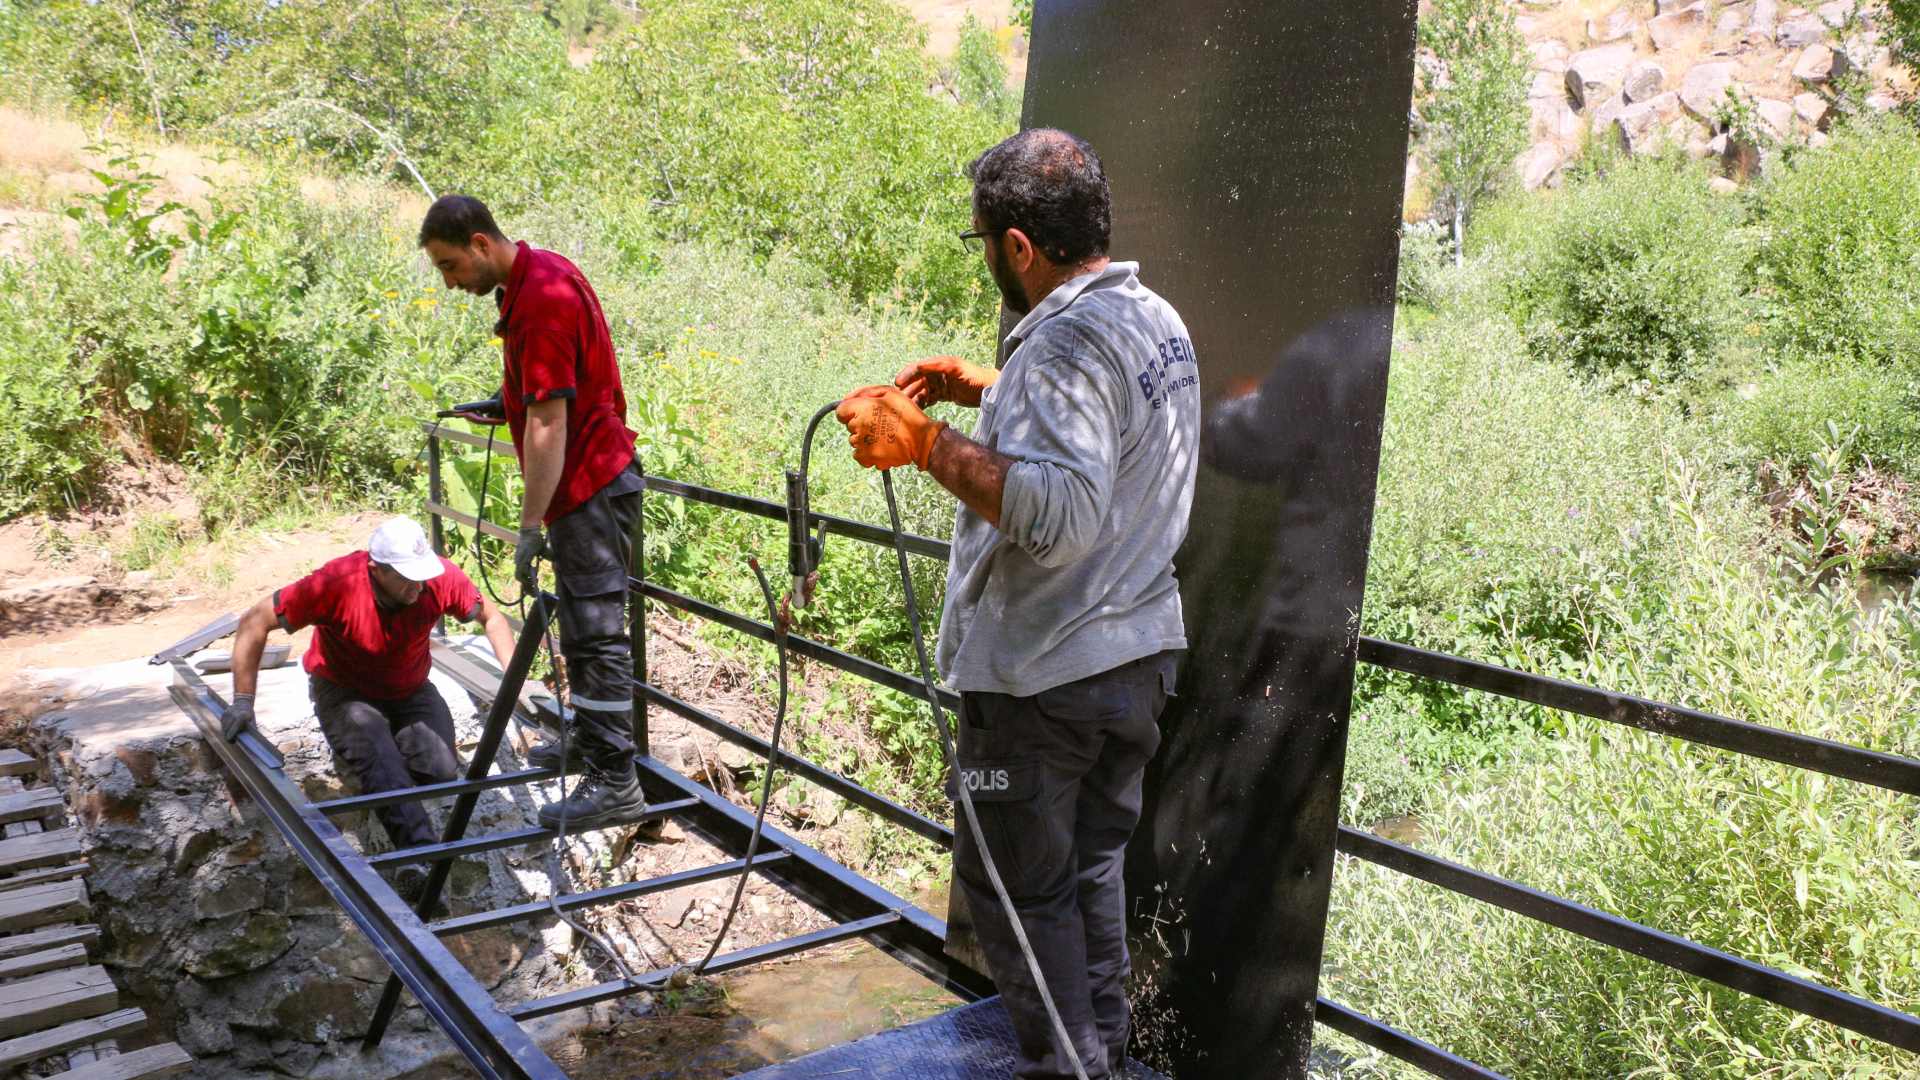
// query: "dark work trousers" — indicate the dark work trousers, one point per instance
point(1056, 781)
point(591, 547)
point(390, 744)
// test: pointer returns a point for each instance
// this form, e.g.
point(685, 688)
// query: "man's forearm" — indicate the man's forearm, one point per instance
point(543, 458)
point(499, 635)
point(975, 474)
point(249, 641)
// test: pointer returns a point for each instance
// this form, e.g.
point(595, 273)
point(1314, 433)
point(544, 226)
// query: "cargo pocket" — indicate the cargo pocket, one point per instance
point(1028, 840)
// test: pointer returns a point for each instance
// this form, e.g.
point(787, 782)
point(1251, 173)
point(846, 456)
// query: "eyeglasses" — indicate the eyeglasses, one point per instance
point(968, 238)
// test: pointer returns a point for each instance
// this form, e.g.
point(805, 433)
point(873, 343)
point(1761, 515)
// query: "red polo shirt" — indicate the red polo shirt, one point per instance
point(379, 654)
point(557, 346)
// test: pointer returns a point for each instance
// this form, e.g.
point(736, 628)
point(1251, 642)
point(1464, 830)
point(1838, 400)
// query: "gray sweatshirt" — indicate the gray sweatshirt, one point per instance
point(1099, 405)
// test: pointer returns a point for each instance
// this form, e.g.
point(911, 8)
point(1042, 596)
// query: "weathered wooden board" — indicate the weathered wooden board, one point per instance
point(43, 875)
point(72, 954)
point(55, 997)
point(33, 804)
point(39, 849)
point(47, 938)
point(16, 763)
point(148, 1061)
point(26, 1048)
point(40, 905)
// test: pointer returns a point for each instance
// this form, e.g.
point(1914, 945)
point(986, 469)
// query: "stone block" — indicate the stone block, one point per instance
point(1616, 25)
point(1681, 29)
point(1801, 31)
point(1593, 75)
point(1644, 80)
point(1816, 110)
point(1821, 64)
point(1704, 88)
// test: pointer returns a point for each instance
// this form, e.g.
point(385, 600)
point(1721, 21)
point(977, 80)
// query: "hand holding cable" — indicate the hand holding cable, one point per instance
point(945, 378)
point(886, 429)
point(527, 549)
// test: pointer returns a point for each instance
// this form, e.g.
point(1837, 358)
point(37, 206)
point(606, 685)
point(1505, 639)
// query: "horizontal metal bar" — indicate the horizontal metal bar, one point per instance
point(612, 894)
point(887, 809)
point(471, 522)
point(839, 526)
point(725, 962)
point(474, 845)
point(377, 799)
point(799, 646)
point(492, 1043)
point(468, 438)
point(1754, 740)
point(1821, 1002)
point(918, 939)
point(1415, 1052)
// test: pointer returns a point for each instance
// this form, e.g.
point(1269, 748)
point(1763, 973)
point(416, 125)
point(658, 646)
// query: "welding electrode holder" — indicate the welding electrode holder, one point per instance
point(804, 549)
point(492, 408)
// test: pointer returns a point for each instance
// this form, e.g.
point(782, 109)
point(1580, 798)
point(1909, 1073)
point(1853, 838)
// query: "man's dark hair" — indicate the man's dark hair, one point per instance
point(454, 219)
point(1048, 184)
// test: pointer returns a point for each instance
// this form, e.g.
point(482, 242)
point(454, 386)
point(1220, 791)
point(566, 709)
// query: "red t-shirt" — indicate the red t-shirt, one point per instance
point(380, 654)
point(557, 346)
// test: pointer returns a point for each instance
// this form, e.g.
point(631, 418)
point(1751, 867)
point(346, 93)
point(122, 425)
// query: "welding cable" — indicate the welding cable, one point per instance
point(766, 784)
point(951, 750)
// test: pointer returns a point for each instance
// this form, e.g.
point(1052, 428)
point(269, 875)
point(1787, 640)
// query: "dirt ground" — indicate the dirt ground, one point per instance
point(942, 18)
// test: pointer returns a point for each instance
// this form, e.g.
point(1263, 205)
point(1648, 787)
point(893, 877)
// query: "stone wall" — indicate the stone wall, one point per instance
point(215, 928)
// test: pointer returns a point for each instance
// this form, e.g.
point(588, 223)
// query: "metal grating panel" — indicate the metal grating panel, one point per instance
point(967, 1043)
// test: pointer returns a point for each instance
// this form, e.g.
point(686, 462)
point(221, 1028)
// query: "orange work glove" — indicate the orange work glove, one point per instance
point(944, 378)
point(885, 429)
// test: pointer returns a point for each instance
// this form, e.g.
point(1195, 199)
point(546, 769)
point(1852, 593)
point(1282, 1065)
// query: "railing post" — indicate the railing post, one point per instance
point(436, 494)
point(637, 615)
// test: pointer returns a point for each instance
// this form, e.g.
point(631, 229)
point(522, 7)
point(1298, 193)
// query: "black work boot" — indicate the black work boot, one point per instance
point(597, 803)
point(547, 756)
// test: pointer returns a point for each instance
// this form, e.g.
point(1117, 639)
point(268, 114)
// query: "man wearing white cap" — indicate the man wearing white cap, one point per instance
point(367, 668)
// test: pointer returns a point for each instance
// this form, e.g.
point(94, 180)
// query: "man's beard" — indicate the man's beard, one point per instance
point(1012, 293)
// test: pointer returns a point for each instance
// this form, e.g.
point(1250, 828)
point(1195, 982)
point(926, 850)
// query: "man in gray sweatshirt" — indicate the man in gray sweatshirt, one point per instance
point(1062, 624)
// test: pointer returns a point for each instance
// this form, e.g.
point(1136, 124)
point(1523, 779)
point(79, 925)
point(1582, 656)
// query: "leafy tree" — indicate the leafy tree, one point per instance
point(1472, 105)
point(978, 76)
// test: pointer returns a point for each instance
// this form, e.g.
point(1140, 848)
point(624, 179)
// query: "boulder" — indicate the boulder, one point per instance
point(1638, 126)
point(1540, 166)
point(1765, 20)
point(1593, 75)
point(1798, 33)
point(1720, 185)
point(1550, 55)
point(1816, 110)
point(1605, 113)
point(1836, 13)
point(1680, 29)
point(1645, 79)
point(1882, 102)
point(1776, 114)
point(1817, 140)
point(1668, 7)
point(1821, 64)
point(1616, 25)
point(1704, 87)
point(1732, 23)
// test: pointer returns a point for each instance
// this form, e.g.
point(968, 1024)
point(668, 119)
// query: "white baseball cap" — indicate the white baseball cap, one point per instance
point(400, 544)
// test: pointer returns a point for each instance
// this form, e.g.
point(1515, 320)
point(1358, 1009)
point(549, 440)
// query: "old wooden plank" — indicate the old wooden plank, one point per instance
point(40, 905)
point(142, 1064)
point(55, 997)
point(34, 804)
point(47, 937)
point(43, 875)
point(72, 954)
point(39, 849)
point(40, 1044)
point(16, 763)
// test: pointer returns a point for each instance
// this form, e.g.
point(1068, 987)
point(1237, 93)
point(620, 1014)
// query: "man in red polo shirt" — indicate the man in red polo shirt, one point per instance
point(563, 401)
point(367, 667)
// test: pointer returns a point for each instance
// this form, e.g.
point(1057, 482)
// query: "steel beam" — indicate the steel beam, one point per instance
point(611, 894)
point(1423, 1055)
point(491, 1041)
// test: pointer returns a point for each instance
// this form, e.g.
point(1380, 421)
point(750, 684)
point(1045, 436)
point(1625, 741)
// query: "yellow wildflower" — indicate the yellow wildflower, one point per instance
point(708, 354)
point(425, 302)
point(496, 341)
point(391, 294)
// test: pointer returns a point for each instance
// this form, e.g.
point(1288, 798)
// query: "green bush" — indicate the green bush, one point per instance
point(1632, 276)
point(1767, 862)
point(1783, 415)
point(1837, 266)
point(51, 445)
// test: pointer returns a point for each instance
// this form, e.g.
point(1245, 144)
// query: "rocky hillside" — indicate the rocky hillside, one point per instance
point(1648, 74)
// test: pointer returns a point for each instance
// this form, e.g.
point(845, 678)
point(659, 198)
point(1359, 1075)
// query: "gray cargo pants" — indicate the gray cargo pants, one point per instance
point(1056, 780)
point(592, 547)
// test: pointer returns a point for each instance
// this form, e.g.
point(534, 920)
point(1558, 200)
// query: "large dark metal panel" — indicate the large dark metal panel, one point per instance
point(1257, 154)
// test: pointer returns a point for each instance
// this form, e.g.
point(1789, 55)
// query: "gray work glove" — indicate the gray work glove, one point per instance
point(238, 718)
point(530, 546)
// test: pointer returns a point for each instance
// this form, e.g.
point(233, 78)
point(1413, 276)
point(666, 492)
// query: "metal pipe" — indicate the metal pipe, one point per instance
point(1415, 1052)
